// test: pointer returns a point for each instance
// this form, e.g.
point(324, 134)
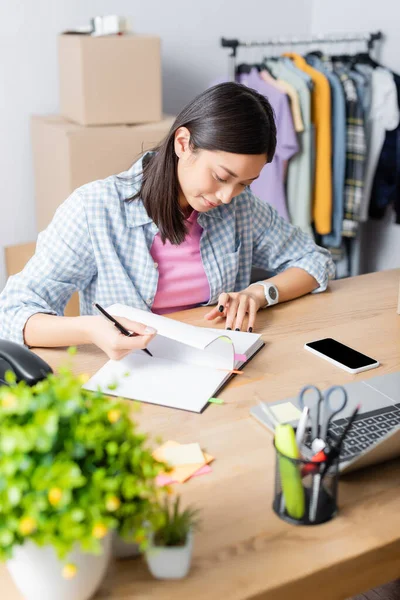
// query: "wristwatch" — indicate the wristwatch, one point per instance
point(270, 291)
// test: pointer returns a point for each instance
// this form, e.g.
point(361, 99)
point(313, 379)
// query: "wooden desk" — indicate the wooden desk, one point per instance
point(244, 550)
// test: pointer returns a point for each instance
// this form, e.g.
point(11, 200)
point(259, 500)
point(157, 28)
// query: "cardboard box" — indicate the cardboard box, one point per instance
point(67, 155)
point(16, 259)
point(111, 79)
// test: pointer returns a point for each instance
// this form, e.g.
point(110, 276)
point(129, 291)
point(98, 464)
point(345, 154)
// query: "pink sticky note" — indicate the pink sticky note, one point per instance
point(241, 357)
point(203, 471)
point(162, 480)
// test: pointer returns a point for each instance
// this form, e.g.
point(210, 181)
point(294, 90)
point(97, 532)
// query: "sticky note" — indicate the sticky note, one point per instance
point(241, 357)
point(162, 480)
point(183, 472)
point(226, 339)
point(216, 401)
point(184, 454)
point(286, 412)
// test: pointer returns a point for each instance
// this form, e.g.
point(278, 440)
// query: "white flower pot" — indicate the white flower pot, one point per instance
point(37, 572)
point(123, 549)
point(166, 562)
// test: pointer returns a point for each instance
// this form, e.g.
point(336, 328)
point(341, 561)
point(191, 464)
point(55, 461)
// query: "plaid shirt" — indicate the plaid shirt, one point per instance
point(356, 153)
point(100, 244)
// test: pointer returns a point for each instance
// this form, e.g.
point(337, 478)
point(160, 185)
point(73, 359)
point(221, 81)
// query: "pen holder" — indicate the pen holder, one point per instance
point(304, 493)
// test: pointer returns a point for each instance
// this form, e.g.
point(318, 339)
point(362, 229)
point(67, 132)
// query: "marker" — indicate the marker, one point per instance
point(292, 487)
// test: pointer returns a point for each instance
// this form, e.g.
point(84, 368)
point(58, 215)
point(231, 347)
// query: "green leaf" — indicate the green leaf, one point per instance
point(61, 459)
point(10, 377)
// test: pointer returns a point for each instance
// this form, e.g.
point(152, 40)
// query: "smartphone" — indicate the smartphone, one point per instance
point(342, 356)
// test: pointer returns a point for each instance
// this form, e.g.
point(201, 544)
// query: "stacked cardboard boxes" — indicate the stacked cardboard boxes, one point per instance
point(111, 112)
point(67, 155)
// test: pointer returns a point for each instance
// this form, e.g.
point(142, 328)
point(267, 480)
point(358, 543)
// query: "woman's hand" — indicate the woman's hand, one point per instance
point(236, 305)
point(115, 344)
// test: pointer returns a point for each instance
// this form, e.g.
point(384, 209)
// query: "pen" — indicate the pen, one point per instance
point(331, 454)
point(118, 325)
point(335, 449)
point(301, 427)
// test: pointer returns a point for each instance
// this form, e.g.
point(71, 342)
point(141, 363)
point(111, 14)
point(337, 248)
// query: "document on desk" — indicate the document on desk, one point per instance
point(189, 365)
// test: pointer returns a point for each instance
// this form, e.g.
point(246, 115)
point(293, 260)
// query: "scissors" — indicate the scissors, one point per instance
point(321, 411)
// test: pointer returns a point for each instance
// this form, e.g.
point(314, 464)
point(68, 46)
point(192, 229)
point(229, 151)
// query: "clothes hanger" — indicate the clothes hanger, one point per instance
point(364, 58)
point(243, 68)
point(264, 66)
point(316, 53)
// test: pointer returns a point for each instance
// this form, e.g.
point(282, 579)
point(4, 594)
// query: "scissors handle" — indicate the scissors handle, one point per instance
point(329, 411)
point(314, 408)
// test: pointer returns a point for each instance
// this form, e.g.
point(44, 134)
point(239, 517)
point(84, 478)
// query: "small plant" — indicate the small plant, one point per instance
point(72, 467)
point(176, 524)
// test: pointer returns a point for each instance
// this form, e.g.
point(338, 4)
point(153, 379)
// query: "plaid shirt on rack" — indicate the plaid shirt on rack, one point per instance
point(356, 153)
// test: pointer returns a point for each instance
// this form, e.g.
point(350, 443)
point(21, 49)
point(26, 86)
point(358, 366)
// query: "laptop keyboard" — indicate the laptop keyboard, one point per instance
point(366, 430)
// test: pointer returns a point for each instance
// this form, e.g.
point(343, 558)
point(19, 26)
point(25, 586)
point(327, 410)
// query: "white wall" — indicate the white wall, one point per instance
point(190, 33)
point(380, 240)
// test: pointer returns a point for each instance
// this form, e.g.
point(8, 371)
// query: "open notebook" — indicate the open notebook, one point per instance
point(189, 366)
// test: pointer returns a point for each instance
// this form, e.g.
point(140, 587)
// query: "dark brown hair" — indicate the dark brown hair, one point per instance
point(228, 117)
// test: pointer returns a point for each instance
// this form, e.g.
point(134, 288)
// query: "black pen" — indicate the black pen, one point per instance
point(335, 449)
point(120, 327)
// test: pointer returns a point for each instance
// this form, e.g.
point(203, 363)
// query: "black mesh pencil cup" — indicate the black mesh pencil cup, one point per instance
point(305, 491)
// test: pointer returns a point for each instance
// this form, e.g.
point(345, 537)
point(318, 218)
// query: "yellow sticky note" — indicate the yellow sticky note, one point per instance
point(184, 454)
point(182, 472)
point(286, 412)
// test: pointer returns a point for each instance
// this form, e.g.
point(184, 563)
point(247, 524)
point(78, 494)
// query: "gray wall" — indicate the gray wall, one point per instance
point(192, 58)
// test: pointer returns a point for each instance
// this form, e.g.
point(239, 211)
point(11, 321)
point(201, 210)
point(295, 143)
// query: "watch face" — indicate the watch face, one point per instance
point(272, 293)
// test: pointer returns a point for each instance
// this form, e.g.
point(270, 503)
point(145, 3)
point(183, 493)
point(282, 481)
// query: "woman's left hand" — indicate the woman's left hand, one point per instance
point(236, 305)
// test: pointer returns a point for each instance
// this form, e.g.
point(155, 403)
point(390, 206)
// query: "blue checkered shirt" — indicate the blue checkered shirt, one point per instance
point(99, 244)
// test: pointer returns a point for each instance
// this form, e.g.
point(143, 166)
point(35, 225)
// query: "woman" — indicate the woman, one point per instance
point(180, 229)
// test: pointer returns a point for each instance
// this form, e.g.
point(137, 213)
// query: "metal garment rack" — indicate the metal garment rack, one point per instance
point(234, 44)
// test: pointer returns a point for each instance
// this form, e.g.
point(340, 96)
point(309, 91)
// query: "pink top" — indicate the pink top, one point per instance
point(182, 282)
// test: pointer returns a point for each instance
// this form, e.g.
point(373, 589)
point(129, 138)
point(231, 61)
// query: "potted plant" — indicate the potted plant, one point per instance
point(169, 552)
point(73, 469)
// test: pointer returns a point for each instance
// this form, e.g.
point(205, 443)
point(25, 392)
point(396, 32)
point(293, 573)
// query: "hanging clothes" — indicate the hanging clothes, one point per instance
point(356, 151)
point(345, 112)
point(386, 186)
point(338, 130)
point(270, 186)
point(299, 176)
point(321, 116)
point(383, 116)
point(291, 92)
point(363, 86)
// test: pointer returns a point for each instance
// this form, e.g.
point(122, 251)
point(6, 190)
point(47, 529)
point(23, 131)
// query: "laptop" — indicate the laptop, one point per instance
point(375, 434)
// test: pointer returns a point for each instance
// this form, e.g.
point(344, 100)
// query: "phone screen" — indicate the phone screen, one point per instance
point(343, 354)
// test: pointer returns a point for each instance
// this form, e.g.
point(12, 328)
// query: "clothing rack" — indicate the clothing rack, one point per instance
point(234, 44)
